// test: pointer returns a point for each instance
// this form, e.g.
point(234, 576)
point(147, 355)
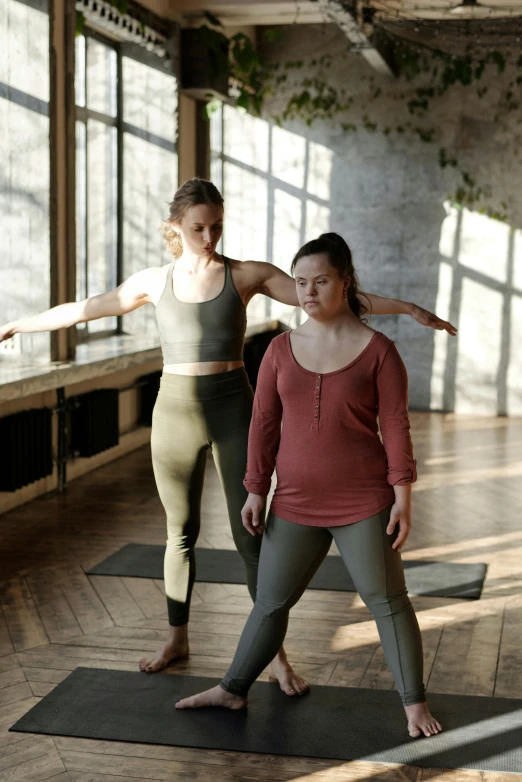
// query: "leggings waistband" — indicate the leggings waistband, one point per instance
point(204, 387)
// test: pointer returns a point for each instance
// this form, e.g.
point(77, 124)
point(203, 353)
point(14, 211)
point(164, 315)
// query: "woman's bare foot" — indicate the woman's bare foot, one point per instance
point(281, 671)
point(176, 648)
point(217, 696)
point(420, 720)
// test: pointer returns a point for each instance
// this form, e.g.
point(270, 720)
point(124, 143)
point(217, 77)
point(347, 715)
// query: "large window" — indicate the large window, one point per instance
point(24, 168)
point(126, 169)
point(150, 165)
point(276, 186)
point(97, 119)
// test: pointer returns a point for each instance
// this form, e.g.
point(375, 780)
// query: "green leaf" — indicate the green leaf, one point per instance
point(272, 35)
point(499, 60)
point(243, 100)
point(243, 53)
point(80, 22)
point(211, 19)
point(121, 5)
point(213, 105)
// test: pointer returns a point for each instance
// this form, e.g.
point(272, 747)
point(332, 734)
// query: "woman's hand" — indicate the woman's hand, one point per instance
point(7, 331)
point(400, 514)
point(251, 514)
point(427, 318)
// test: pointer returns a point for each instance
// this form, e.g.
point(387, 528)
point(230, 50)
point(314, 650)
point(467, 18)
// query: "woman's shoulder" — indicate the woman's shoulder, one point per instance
point(382, 340)
point(277, 348)
point(386, 351)
point(278, 343)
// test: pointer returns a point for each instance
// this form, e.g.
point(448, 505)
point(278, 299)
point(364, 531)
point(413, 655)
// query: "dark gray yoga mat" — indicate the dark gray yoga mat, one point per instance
point(331, 722)
point(219, 566)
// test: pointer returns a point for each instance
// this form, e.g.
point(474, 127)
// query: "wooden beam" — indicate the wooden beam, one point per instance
point(62, 17)
point(372, 52)
point(187, 164)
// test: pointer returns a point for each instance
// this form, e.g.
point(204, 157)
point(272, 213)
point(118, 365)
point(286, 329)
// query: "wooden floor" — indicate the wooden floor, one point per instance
point(467, 508)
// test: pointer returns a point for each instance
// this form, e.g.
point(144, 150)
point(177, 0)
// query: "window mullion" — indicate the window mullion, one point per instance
point(86, 226)
point(119, 175)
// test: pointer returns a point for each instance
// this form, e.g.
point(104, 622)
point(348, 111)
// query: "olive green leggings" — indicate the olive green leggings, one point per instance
point(191, 415)
point(290, 555)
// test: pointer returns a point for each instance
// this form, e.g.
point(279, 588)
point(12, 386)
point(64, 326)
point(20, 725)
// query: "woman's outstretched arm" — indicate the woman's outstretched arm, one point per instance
point(130, 295)
point(280, 286)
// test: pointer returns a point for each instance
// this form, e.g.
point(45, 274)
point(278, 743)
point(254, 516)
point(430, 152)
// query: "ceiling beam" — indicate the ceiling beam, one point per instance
point(266, 19)
point(371, 50)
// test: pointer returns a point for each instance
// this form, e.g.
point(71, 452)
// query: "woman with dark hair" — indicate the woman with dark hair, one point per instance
point(331, 383)
point(205, 400)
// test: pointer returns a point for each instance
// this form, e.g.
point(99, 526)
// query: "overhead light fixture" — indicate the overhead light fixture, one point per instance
point(471, 8)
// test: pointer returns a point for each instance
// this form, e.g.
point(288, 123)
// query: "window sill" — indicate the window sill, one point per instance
point(20, 378)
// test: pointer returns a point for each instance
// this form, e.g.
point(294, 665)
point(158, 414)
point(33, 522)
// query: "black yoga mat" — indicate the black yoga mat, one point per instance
point(330, 722)
point(219, 566)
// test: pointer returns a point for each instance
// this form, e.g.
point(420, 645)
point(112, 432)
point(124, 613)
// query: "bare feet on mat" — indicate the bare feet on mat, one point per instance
point(281, 671)
point(420, 721)
point(176, 648)
point(217, 696)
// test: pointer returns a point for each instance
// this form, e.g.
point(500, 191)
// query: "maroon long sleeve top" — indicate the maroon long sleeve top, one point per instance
point(332, 467)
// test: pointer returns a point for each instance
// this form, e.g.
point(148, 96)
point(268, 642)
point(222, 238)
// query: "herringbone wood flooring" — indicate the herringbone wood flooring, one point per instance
point(467, 507)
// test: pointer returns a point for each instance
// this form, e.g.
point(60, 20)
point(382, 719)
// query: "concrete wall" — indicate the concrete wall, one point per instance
point(387, 195)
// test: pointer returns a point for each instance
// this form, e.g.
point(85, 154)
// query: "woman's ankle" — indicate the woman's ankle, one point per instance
point(178, 634)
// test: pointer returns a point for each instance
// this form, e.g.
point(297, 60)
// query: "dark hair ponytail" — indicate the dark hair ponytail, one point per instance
point(340, 257)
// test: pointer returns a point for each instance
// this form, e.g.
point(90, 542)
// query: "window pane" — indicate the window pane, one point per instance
point(150, 99)
point(81, 215)
point(101, 214)
point(246, 138)
point(216, 130)
point(149, 182)
point(150, 173)
point(79, 76)
point(24, 169)
point(101, 78)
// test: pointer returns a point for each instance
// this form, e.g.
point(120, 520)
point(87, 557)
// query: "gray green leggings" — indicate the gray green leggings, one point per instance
point(191, 415)
point(290, 555)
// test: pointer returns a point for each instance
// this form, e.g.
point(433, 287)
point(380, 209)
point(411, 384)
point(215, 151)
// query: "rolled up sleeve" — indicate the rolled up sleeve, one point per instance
point(265, 429)
point(394, 422)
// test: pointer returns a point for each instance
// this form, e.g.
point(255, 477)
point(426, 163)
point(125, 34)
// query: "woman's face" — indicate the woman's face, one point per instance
point(200, 229)
point(320, 288)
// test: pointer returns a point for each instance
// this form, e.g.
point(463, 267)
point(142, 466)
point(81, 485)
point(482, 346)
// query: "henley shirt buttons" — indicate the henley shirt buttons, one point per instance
point(317, 388)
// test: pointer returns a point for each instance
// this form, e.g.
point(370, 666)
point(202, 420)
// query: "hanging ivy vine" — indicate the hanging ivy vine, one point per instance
point(316, 97)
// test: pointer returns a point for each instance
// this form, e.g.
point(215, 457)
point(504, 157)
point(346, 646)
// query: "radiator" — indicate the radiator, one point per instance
point(26, 448)
point(94, 422)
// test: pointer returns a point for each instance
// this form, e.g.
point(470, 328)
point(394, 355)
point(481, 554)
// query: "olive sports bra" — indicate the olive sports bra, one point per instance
point(211, 330)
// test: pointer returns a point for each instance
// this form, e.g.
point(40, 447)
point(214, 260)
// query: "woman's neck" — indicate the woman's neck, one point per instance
point(197, 263)
point(343, 321)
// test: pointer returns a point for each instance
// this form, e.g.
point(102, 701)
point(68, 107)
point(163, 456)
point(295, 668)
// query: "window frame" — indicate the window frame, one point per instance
point(123, 49)
point(83, 114)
